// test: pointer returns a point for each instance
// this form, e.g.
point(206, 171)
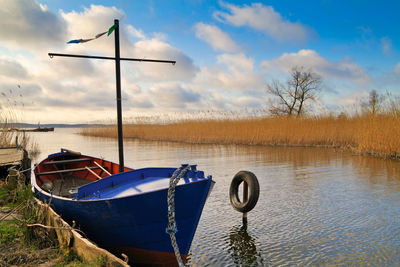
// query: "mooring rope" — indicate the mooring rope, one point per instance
point(11, 212)
point(171, 228)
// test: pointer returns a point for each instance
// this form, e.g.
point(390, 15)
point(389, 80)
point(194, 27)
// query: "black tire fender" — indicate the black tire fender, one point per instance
point(253, 191)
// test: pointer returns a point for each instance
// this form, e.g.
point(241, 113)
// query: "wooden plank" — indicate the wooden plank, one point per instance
point(64, 171)
point(11, 156)
point(92, 172)
point(101, 167)
point(66, 161)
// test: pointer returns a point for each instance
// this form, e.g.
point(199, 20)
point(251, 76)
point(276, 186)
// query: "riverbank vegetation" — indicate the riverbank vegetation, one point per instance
point(377, 134)
point(20, 243)
point(9, 115)
point(374, 128)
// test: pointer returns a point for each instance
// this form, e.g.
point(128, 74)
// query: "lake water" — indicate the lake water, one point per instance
point(316, 206)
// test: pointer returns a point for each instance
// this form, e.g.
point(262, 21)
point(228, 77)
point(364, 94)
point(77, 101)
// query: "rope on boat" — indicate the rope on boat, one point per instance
point(171, 228)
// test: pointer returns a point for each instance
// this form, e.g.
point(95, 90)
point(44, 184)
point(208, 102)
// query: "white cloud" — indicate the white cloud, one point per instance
point(172, 95)
point(214, 36)
point(144, 48)
point(352, 100)
point(343, 69)
point(137, 33)
point(74, 90)
point(249, 102)
point(25, 24)
point(91, 21)
point(61, 85)
point(236, 62)
point(183, 70)
point(11, 68)
point(232, 72)
point(264, 19)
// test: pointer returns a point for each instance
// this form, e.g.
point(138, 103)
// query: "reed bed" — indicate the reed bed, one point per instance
point(10, 114)
point(373, 134)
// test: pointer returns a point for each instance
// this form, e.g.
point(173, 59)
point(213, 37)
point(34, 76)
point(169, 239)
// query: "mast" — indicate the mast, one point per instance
point(117, 60)
point(119, 105)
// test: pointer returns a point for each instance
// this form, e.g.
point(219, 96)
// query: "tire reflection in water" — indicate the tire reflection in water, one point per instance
point(242, 247)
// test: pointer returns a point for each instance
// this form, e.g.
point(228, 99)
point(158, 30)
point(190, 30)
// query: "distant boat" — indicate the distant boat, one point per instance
point(39, 129)
point(123, 212)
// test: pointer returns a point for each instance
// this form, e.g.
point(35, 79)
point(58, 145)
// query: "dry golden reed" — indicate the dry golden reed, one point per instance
point(9, 115)
point(374, 134)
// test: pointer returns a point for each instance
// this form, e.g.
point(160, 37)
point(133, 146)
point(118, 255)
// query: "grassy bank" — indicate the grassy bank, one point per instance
point(21, 245)
point(374, 134)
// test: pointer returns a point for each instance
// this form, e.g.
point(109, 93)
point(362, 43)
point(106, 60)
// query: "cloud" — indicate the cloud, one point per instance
point(91, 21)
point(140, 101)
point(232, 72)
point(236, 62)
point(219, 40)
point(353, 99)
point(249, 102)
point(343, 69)
point(19, 91)
point(397, 69)
point(386, 46)
point(99, 18)
point(183, 70)
point(65, 85)
point(173, 95)
point(26, 24)
point(136, 33)
point(264, 19)
point(11, 68)
point(394, 75)
point(68, 68)
point(74, 90)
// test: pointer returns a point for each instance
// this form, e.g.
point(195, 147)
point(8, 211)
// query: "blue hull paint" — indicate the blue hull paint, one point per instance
point(135, 221)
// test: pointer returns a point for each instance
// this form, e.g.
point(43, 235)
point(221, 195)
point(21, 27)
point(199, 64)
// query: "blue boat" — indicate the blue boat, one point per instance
point(124, 212)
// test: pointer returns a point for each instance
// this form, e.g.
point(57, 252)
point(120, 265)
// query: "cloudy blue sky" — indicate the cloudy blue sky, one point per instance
point(226, 53)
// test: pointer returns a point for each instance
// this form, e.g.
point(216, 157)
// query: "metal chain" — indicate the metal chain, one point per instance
point(171, 228)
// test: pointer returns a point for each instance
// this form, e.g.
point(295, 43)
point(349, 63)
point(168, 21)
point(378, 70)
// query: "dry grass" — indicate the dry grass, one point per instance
point(10, 114)
point(6, 137)
point(374, 134)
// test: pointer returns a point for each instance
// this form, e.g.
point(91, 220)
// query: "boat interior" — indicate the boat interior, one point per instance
point(62, 174)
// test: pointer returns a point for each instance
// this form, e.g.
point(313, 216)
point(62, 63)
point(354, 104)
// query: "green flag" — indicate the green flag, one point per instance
point(112, 28)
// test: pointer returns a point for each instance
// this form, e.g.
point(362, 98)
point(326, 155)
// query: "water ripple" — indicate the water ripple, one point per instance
point(317, 207)
point(318, 213)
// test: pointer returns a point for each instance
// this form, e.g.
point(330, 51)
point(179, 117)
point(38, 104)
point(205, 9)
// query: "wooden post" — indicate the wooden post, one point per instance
point(245, 198)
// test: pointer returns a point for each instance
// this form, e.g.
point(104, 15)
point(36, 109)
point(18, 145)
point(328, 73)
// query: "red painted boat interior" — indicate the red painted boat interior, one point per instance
point(74, 166)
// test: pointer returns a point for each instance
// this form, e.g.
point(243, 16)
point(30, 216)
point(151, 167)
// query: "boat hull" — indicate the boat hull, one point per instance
point(135, 225)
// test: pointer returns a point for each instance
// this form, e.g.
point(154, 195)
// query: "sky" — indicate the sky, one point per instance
point(226, 52)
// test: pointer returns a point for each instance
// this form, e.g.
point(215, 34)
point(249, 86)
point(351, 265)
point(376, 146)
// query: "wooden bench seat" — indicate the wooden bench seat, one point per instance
point(67, 170)
point(66, 161)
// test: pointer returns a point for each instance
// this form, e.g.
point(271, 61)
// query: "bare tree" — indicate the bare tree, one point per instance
point(374, 103)
point(291, 98)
